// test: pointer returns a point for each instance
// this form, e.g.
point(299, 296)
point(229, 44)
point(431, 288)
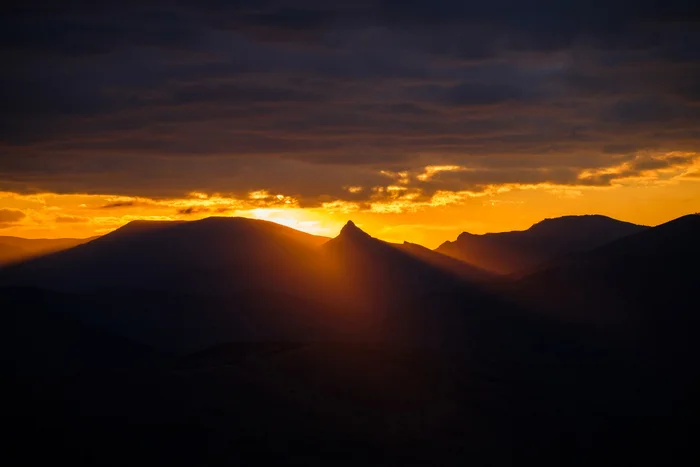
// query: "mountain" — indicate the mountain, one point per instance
point(643, 285)
point(376, 271)
point(407, 293)
point(16, 249)
point(520, 251)
point(216, 255)
point(188, 285)
point(258, 319)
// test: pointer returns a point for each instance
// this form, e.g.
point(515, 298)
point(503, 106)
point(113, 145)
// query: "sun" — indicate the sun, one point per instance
point(311, 222)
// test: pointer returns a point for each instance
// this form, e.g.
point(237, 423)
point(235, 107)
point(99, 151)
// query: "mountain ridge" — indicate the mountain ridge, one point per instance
point(640, 284)
point(516, 252)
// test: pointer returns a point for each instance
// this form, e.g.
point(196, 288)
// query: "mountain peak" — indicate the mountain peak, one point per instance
point(465, 236)
point(352, 231)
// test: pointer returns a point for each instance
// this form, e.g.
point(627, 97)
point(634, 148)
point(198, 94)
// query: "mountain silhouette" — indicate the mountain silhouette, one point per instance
point(377, 271)
point(229, 339)
point(395, 288)
point(216, 255)
point(185, 285)
point(16, 249)
point(642, 285)
point(520, 251)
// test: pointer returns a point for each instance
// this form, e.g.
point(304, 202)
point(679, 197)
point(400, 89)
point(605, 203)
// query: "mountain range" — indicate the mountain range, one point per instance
point(520, 251)
point(251, 340)
point(253, 273)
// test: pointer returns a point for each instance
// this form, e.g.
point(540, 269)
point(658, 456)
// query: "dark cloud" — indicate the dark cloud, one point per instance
point(477, 94)
point(119, 204)
point(652, 110)
point(307, 97)
point(194, 210)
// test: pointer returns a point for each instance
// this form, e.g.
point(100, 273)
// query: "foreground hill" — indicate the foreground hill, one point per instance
point(520, 251)
point(16, 249)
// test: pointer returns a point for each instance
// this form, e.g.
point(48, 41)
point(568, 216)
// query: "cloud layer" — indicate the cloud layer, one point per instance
point(310, 98)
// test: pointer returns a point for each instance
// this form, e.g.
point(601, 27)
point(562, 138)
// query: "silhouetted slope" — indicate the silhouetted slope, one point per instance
point(16, 249)
point(446, 263)
point(644, 284)
point(396, 285)
point(520, 251)
point(374, 271)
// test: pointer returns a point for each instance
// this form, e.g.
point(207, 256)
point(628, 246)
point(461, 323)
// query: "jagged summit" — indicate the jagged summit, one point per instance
point(350, 230)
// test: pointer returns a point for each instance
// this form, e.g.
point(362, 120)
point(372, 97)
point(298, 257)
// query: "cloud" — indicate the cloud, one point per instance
point(118, 204)
point(306, 98)
point(431, 170)
point(478, 94)
point(650, 167)
point(193, 210)
point(10, 216)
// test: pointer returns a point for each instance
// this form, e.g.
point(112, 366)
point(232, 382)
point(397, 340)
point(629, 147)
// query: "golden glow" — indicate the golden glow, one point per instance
point(400, 177)
point(431, 170)
point(649, 190)
point(305, 220)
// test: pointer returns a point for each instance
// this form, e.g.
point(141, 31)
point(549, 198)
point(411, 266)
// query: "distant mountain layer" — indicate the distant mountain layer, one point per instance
point(15, 249)
point(520, 251)
point(648, 279)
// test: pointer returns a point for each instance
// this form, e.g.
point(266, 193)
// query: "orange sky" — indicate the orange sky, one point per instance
point(396, 213)
point(416, 126)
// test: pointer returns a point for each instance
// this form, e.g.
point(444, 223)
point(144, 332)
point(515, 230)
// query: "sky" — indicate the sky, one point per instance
point(416, 119)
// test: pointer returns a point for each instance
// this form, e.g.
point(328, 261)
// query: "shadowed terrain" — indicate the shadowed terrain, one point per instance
point(225, 340)
point(642, 283)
